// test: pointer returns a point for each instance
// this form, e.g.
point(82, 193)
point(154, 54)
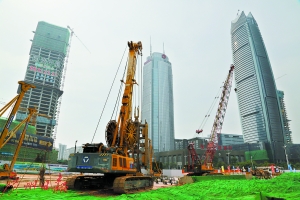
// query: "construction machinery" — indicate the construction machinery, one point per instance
point(34, 117)
point(6, 135)
point(204, 165)
point(118, 165)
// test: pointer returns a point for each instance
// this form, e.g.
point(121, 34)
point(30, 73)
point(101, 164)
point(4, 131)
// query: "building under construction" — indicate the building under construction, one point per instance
point(45, 70)
point(35, 148)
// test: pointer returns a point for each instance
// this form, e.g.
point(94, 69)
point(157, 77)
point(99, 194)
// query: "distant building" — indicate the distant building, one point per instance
point(61, 150)
point(255, 87)
point(201, 142)
point(157, 104)
point(286, 121)
point(230, 139)
point(68, 151)
point(181, 143)
point(45, 70)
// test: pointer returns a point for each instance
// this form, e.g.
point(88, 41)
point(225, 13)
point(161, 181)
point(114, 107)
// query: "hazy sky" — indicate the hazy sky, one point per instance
point(196, 37)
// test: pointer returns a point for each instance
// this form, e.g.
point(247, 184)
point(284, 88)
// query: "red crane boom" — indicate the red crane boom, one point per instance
point(218, 122)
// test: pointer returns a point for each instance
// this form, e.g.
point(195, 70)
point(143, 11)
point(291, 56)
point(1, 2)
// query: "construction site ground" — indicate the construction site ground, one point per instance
point(31, 182)
point(286, 186)
point(25, 179)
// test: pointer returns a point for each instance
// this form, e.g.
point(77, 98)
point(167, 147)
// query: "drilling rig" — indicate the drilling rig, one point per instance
point(203, 165)
point(7, 134)
point(128, 147)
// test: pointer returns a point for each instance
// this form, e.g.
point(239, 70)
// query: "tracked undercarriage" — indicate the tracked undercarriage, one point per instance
point(120, 185)
point(262, 174)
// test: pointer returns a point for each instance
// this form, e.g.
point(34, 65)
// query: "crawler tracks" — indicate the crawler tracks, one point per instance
point(119, 185)
point(127, 184)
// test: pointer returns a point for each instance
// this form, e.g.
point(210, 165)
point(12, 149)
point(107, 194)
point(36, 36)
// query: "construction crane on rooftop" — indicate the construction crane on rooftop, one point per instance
point(64, 77)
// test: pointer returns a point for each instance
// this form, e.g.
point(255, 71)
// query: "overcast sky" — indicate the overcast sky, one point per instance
point(196, 38)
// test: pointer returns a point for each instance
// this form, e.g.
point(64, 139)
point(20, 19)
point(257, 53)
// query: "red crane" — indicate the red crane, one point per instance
point(218, 122)
point(195, 164)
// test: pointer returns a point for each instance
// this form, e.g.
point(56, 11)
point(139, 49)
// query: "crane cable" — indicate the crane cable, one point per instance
point(119, 94)
point(209, 110)
point(108, 95)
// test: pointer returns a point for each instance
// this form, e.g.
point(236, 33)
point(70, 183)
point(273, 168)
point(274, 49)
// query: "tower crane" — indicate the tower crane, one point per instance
point(64, 78)
point(204, 164)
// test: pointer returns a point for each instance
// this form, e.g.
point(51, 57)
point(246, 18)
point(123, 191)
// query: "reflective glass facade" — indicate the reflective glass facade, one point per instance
point(157, 102)
point(256, 89)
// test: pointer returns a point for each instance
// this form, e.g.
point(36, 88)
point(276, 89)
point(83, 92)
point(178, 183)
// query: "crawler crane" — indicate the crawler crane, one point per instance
point(200, 166)
point(126, 140)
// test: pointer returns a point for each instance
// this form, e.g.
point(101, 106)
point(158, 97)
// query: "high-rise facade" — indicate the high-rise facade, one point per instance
point(45, 70)
point(157, 102)
point(255, 87)
point(230, 139)
point(61, 150)
point(286, 122)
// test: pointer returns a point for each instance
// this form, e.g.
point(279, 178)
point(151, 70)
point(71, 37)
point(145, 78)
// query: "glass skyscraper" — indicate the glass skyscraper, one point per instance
point(157, 102)
point(45, 71)
point(255, 87)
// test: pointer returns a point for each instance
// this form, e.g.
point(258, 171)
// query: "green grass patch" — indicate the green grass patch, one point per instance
point(218, 177)
point(285, 186)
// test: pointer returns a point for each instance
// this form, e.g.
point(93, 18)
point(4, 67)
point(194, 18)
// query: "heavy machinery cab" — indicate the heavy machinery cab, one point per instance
point(99, 159)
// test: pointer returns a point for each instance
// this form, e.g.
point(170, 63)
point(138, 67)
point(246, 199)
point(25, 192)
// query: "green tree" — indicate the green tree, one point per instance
point(63, 162)
point(165, 165)
point(233, 161)
point(220, 164)
point(266, 163)
point(296, 165)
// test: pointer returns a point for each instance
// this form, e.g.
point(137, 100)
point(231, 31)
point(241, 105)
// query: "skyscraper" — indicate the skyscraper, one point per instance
point(255, 87)
point(61, 150)
point(157, 103)
point(45, 70)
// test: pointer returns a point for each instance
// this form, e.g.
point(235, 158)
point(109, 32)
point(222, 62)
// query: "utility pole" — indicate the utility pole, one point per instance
point(75, 146)
point(228, 156)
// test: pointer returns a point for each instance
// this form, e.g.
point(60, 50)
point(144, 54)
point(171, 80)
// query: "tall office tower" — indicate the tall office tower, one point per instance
point(157, 103)
point(45, 70)
point(255, 87)
point(61, 150)
point(286, 122)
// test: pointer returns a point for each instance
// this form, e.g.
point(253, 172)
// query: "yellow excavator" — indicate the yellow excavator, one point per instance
point(6, 135)
point(119, 164)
